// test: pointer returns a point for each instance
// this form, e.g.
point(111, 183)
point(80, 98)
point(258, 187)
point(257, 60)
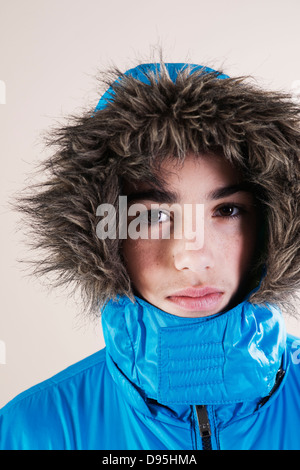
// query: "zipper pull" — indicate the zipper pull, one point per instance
point(204, 426)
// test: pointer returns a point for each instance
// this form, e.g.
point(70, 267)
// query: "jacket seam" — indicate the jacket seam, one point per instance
point(269, 403)
point(44, 386)
point(131, 345)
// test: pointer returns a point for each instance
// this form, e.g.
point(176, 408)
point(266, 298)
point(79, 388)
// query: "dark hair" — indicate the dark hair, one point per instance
point(256, 130)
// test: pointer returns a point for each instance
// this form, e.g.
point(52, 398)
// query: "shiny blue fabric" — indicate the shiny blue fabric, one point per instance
point(196, 360)
point(141, 391)
point(141, 73)
point(112, 399)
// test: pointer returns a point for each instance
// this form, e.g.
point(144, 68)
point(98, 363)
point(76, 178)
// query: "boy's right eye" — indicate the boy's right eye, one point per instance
point(156, 216)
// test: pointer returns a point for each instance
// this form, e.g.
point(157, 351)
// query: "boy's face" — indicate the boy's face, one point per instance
point(211, 276)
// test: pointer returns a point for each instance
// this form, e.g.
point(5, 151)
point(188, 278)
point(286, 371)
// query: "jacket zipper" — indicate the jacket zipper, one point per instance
point(204, 427)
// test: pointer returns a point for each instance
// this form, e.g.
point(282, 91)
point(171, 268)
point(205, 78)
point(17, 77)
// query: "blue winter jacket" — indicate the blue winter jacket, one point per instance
point(230, 381)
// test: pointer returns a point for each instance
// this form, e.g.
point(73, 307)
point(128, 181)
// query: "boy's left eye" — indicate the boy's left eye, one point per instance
point(157, 216)
point(228, 210)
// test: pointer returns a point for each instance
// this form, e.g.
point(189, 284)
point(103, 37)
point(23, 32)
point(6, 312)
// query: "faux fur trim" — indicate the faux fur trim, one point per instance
point(257, 130)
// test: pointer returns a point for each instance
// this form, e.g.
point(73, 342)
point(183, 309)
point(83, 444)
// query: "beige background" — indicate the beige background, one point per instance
point(50, 53)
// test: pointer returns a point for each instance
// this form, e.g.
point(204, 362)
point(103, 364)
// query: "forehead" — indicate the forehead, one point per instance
point(202, 169)
point(196, 176)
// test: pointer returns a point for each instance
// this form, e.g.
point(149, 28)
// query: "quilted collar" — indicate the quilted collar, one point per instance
point(230, 357)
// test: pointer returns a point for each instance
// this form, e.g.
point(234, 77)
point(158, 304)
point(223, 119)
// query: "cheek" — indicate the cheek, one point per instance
point(143, 259)
point(248, 242)
point(236, 247)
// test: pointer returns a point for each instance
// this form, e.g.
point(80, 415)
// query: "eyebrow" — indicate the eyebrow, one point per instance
point(153, 194)
point(225, 191)
point(171, 197)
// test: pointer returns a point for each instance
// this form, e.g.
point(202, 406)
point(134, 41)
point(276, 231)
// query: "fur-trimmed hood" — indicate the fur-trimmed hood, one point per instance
point(148, 114)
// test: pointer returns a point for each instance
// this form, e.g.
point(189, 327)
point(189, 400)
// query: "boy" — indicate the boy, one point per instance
point(196, 355)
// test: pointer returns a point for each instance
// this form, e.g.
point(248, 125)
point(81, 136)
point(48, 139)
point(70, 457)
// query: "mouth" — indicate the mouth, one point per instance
point(197, 299)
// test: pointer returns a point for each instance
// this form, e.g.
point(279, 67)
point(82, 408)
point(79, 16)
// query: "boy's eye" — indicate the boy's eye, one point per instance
point(157, 216)
point(228, 210)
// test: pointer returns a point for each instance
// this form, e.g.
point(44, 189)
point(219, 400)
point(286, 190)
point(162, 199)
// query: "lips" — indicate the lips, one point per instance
point(197, 299)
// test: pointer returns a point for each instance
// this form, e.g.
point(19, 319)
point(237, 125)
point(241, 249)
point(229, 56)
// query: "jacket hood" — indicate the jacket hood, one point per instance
point(231, 357)
point(143, 71)
point(147, 114)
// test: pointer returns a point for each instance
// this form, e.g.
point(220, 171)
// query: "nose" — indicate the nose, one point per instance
point(187, 256)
